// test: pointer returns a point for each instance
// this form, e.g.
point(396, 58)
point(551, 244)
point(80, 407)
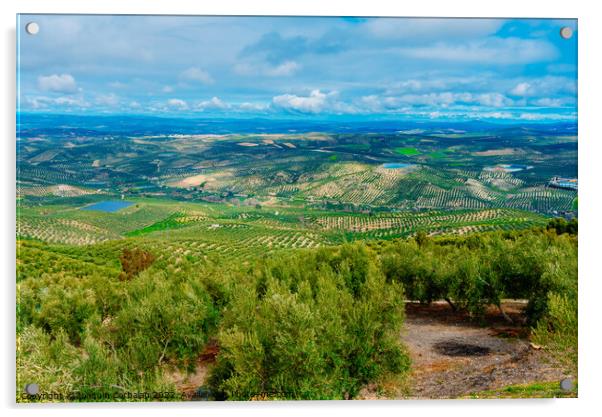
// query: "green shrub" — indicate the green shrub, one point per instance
point(162, 319)
point(309, 324)
point(315, 325)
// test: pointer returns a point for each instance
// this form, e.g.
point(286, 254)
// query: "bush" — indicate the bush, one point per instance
point(316, 325)
point(561, 226)
point(115, 335)
point(162, 320)
point(310, 324)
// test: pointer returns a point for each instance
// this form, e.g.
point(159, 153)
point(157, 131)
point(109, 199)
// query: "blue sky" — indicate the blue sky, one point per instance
point(440, 69)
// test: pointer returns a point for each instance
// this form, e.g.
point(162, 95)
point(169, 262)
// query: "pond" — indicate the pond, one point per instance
point(108, 206)
point(509, 168)
point(396, 165)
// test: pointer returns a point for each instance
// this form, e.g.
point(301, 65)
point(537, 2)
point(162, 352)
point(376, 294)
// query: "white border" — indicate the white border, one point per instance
point(590, 137)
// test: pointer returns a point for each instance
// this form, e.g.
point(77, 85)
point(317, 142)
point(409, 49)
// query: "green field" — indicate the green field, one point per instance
point(243, 231)
point(407, 151)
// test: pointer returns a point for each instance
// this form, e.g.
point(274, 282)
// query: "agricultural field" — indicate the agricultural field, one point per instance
point(194, 226)
point(240, 193)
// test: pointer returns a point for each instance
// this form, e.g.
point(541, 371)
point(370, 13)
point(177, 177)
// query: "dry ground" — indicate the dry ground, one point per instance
point(453, 356)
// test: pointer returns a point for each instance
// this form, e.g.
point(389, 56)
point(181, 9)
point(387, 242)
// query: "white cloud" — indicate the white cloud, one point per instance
point(177, 103)
point(547, 116)
point(545, 86)
point(314, 103)
point(197, 74)
point(424, 30)
point(107, 99)
point(64, 83)
point(500, 51)
point(253, 106)
point(214, 104)
point(285, 69)
point(44, 102)
point(553, 102)
point(492, 100)
point(70, 101)
point(135, 105)
point(167, 89)
point(444, 99)
point(498, 115)
point(372, 103)
point(521, 89)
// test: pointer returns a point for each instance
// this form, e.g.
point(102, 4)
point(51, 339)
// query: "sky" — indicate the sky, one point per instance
point(299, 67)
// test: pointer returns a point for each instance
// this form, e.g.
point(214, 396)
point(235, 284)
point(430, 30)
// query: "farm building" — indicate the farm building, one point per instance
point(566, 183)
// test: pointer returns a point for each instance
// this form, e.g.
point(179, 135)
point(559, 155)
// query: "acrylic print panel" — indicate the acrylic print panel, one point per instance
point(270, 208)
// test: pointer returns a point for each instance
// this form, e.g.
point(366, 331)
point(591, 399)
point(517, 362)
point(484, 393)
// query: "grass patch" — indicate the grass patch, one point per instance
point(165, 224)
point(407, 151)
point(534, 390)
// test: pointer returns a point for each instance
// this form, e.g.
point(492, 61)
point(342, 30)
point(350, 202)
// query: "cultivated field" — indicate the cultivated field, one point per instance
point(160, 259)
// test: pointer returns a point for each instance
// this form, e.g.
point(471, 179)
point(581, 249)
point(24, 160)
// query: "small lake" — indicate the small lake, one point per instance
point(108, 206)
point(509, 168)
point(396, 165)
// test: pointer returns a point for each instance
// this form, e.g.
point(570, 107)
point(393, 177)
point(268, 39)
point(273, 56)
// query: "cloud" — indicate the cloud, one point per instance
point(177, 104)
point(276, 48)
point(444, 99)
point(546, 116)
point(545, 86)
point(492, 100)
point(521, 89)
point(491, 51)
point(554, 102)
point(197, 74)
point(378, 66)
point(110, 100)
point(314, 103)
point(426, 30)
point(64, 83)
point(214, 104)
point(253, 106)
point(44, 102)
point(372, 103)
point(497, 115)
point(285, 69)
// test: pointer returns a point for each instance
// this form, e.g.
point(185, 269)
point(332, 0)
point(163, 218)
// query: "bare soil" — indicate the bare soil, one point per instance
point(454, 355)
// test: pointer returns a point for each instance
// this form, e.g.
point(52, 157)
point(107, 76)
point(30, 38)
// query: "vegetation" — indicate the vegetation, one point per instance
point(450, 171)
point(134, 261)
point(407, 151)
point(309, 324)
point(481, 270)
point(536, 390)
point(293, 256)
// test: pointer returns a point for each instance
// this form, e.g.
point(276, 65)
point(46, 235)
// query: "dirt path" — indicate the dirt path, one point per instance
point(453, 356)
